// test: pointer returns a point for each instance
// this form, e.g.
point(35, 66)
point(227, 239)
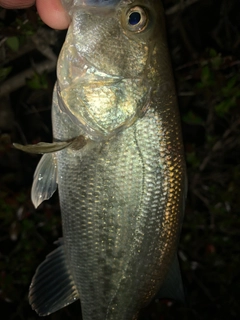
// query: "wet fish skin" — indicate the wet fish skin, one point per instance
point(121, 194)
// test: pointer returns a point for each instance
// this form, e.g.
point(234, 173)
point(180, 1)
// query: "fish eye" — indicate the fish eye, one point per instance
point(137, 19)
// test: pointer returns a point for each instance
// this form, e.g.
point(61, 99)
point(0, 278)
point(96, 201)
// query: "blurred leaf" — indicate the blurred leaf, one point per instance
point(217, 62)
point(223, 107)
point(207, 78)
point(4, 72)
point(38, 81)
point(230, 84)
point(212, 53)
point(230, 93)
point(216, 58)
point(13, 43)
point(192, 118)
point(192, 159)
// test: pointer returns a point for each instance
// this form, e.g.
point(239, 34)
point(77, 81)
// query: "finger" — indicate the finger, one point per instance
point(53, 13)
point(16, 4)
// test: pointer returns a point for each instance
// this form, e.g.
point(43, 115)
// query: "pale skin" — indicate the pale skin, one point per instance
point(50, 11)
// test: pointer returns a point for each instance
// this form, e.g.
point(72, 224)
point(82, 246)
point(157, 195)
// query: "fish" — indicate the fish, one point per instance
point(117, 160)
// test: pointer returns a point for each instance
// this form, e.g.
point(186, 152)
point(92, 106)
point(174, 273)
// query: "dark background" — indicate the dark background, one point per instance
point(205, 46)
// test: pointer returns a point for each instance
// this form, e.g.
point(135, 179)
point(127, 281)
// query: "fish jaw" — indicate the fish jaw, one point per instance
point(101, 88)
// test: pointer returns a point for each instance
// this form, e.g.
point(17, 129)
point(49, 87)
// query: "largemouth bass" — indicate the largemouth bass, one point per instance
point(117, 159)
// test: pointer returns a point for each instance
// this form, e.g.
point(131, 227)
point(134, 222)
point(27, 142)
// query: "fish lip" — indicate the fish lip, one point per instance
point(103, 81)
point(94, 75)
point(100, 80)
point(86, 72)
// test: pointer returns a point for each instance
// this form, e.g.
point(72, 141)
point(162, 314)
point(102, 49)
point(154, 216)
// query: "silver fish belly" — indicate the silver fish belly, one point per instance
point(122, 192)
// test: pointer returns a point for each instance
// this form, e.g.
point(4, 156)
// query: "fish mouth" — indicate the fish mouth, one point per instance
point(83, 72)
point(96, 78)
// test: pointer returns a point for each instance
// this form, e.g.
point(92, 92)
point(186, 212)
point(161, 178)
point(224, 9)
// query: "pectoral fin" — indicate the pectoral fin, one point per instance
point(172, 287)
point(43, 147)
point(52, 286)
point(45, 179)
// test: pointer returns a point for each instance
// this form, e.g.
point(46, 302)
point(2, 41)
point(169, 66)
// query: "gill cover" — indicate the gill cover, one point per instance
point(105, 84)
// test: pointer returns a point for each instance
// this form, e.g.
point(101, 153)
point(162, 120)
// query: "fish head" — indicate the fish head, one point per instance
point(109, 64)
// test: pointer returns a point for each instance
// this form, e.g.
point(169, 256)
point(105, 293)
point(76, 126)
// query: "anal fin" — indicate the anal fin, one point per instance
point(52, 286)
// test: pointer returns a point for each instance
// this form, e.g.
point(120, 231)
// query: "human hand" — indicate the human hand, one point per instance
point(50, 11)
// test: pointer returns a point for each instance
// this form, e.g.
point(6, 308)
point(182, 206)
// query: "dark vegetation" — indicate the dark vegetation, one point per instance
point(205, 47)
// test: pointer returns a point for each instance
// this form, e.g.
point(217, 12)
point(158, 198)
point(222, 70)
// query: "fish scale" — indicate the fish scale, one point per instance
point(112, 164)
point(117, 158)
